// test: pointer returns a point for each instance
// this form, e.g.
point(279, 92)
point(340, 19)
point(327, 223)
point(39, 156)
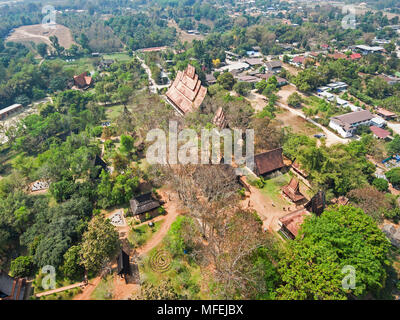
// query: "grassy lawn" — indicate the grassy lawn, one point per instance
point(80, 65)
point(121, 56)
point(140, 235)
point(273, 186)
point(113, 112)
point(104, 290)
point(186, 278)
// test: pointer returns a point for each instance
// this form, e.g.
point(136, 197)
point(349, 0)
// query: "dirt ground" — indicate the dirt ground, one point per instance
point(37, 34)
point(299, 125)
point(266, 209)
point(183, 35)
point(123, 290)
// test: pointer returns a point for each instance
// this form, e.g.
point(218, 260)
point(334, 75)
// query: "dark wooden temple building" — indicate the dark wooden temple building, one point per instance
point(143, 203)
point(123, 265)
point(292, 191)
point(12, 288)
point(268, 162)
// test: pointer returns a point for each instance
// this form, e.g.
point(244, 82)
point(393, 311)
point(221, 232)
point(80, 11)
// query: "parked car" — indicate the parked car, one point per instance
point(319, 135)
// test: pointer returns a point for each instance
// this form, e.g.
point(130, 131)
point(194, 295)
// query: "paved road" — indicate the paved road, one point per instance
point(153, 85)
point(331, 138)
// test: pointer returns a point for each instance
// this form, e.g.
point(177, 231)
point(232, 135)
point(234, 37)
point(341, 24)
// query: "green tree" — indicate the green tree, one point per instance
point(99, 243)
point(42, 49)
point(381, 184)
point(393, 176)
point(311, 267)
point(72, 267)
point(226, 80)
point(295, 100)
point(21, 266)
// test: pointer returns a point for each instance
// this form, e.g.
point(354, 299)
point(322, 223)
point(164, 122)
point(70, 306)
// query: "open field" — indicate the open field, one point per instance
point(37, 33)
point(299, 125)
point(118, 56)
point(183, 35)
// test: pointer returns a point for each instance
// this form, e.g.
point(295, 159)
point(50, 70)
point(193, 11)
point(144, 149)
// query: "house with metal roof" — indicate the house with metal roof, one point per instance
point(346, 124)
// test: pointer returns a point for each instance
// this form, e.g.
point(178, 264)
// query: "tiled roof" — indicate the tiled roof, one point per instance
point(143, 203)
point(268, 161)
point(82, 80)
point(385, 112)
point(219, 118)
point(294, 220)
point(186, 92)
point(292, 190)
point(353, 117)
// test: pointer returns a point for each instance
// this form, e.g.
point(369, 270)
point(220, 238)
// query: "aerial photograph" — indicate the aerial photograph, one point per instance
point(201, 154)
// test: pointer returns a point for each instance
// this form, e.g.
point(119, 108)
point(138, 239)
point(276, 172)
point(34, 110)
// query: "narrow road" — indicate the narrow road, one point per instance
point(154, 86)
point(331, 138)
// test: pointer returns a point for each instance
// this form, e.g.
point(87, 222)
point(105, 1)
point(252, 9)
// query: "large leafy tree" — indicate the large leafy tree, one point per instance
point(100, 242)
point(311, 267)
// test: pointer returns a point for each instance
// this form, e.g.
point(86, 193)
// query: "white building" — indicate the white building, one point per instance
point(346, 124)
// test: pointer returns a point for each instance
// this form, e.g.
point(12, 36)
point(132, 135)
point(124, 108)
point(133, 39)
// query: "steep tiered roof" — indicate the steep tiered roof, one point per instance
point(186, 92)
point(82, 80)
point(292, 190)
point(219, 119)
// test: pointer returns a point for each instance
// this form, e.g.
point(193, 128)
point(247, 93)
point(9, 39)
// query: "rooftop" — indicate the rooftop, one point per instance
point(269, 161)
point(10, 108)
point(186, 92)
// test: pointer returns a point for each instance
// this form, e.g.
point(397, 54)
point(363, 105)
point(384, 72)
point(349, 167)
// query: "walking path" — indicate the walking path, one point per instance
point(72, 286)
point(121, 289)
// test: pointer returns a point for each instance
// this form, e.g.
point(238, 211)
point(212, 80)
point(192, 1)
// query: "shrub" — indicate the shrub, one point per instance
point(381, 184)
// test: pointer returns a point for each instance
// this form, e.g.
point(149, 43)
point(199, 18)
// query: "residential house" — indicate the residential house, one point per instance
point(379, 133)
point(290, 223)
point(12, 288)
point(337, 56)
point(355, 56)
point(292, 191)
point(235, 67)
point(298, 60)
point(280, 81)
point(389, 79)
point(247, 78)
point(83, 81)
point(386, 114)
point(346, 124)
point(338, 85)
point(274, 66)
point(364, 49)
point(123, 265)
point(210, 78)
